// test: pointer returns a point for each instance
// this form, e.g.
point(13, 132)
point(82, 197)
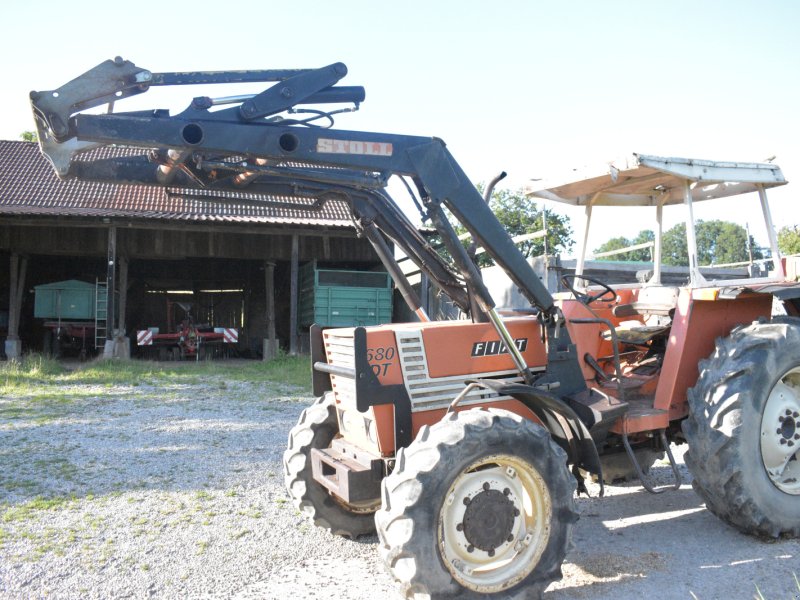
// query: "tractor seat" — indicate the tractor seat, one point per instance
point(638, 336)
point(659, 301)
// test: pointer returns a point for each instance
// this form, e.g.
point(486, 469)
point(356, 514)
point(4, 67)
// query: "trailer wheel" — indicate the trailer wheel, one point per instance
point(744, 429)
point(316, 428)
point(480, 503)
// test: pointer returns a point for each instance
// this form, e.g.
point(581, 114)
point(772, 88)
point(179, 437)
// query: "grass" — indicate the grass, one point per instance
point(34, 374)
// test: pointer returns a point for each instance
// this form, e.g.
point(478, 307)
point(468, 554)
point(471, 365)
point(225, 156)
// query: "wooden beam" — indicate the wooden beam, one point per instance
point(293, 295)
point(269, 278)
point(326, 247)
point(13, 332)
point(123, 293)
point(181, 225)
point(110, 281)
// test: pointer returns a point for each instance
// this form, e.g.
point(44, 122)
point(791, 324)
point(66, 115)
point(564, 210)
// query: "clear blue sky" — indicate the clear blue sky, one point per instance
point(534, 88)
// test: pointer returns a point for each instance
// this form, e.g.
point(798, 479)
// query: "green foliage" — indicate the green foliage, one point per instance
point(520, 215)
point(29, 136)
point(718, 242)
point(789, 239)
point(618, 243)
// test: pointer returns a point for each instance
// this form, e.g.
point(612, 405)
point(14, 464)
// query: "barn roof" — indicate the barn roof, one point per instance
point(30, 187)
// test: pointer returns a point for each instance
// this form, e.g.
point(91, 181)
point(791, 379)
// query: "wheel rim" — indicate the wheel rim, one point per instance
point(495, 523)
point(780, 433)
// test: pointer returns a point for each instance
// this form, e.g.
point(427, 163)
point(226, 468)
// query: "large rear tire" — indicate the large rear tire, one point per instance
point(744, 429)
point(316, 428)
point(481, 503)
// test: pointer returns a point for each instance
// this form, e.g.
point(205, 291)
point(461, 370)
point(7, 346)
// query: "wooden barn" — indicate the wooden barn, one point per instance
point(233, 260)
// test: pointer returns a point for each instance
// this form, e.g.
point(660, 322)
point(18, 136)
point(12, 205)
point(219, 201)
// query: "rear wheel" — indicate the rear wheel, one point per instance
point(744, 429)
point(316, 428)
point(480, 503)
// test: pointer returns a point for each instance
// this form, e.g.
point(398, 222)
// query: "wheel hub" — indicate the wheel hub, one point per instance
point(489, 519)
point(780, 433)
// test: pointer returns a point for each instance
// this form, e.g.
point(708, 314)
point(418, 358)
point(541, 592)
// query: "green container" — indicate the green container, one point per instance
point(337, 298)
point(70, 299)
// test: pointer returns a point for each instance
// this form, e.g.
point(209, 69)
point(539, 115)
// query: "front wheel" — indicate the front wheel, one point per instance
point(744, 429)
point(316, 428)
point(481, 503)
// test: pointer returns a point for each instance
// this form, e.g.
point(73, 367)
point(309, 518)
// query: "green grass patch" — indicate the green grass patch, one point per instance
point(27, 510)
point(35, 373)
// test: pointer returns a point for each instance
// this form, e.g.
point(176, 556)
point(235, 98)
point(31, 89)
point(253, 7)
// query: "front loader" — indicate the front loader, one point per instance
point(462, 443)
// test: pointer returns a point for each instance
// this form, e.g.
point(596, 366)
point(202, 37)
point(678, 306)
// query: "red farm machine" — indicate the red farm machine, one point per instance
point(185, 339)
point(462, 443)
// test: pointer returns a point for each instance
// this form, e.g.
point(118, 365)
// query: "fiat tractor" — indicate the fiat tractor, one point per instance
point(462, 442)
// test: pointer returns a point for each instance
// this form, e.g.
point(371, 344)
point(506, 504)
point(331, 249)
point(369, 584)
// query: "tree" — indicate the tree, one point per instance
point(520, 215)
point(718, 242)
point(789, 239)
point(618, 243)
point(29, 136)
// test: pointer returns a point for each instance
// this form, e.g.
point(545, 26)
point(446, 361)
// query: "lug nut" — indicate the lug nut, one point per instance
point(510, 538)
point(516, 512)
point(779, 431)
point(486, 486)
point(491, 552)
point(783, 441)
point(467, 500)
point(796, 414)
point(460, 527)
point(506, 492)
point(790, 443)
point(797, 436)
point(788, 412)
point(470, 548)
point(781, 418)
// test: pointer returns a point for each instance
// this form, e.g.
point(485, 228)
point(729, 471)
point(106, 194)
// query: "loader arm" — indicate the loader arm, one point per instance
point(246, 147)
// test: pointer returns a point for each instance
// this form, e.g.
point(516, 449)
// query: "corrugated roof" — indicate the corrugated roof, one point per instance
point(29, 186)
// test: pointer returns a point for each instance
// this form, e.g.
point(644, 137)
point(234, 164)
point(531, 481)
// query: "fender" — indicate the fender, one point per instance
point(559, 419)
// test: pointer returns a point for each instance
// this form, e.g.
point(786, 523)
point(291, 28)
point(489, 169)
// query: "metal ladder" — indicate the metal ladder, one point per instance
point(100, 312)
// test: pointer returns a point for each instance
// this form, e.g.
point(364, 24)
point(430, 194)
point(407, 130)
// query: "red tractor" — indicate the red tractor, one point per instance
point(463, 442)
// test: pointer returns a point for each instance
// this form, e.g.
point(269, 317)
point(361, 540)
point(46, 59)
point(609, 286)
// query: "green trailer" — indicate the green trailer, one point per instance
point(342, 298)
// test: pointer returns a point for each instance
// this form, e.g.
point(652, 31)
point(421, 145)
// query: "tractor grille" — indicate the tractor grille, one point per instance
point(427, 393)
point(340, 353)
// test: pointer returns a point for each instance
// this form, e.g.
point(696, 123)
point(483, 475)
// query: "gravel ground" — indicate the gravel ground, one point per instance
point(176, 491)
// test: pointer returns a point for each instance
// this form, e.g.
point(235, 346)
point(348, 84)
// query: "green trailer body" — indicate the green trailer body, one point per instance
point(65, 300)
point(341, 298)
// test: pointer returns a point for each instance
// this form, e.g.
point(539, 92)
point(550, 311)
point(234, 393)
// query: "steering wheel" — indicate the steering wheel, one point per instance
point(568, 282)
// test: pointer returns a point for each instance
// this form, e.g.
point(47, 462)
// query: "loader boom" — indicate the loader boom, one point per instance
point(246, 147)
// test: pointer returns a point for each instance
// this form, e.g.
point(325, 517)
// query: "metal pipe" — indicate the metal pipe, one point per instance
point(691, 240)
point(385, 254)
point(337, 370)
point(513, 351)
point(777, 263)
point(166, 172)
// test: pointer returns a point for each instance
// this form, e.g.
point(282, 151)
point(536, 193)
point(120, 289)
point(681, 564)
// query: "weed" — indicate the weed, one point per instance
point(27, 510)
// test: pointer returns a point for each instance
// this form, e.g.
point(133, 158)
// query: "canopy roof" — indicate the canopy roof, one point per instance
point(645, 180)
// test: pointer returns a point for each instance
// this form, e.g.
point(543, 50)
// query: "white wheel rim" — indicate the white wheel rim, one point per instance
point(515, 556)
point(780, 433)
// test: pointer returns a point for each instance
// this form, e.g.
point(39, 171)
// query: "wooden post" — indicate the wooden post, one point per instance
point(123, 294)
point(111, 272)
point(271, 345)
point(293, 296)
point(19, 267)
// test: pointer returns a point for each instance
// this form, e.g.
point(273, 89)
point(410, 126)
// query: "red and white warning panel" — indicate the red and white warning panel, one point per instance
point(144, 337)
point(230, 335)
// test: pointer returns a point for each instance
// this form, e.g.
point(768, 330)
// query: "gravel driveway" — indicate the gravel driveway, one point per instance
point(175, 491)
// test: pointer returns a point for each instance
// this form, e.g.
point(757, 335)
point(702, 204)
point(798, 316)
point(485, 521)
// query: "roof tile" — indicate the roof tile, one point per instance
point(29, 186)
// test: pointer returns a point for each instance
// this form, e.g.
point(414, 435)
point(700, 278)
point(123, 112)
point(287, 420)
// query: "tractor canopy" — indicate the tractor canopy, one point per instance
point(645, 180)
